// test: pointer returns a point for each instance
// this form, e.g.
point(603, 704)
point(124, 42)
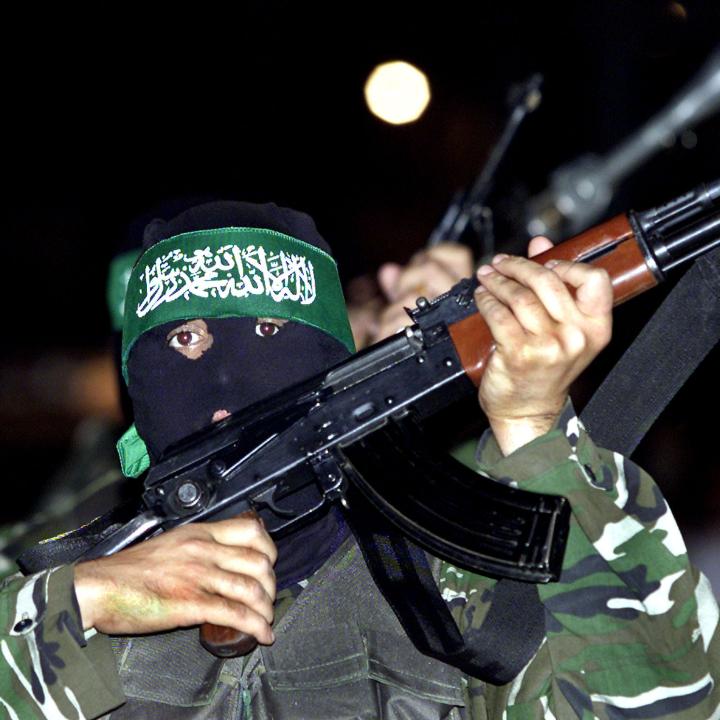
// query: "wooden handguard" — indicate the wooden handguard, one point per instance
point(624, 262)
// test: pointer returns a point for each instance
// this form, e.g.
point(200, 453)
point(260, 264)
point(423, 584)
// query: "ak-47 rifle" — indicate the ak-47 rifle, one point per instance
point(356, 429)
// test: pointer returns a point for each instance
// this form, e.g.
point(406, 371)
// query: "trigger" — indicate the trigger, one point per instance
point(267, 498)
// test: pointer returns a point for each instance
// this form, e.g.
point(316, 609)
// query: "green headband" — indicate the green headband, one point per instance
point(234, 272)
point(118, 277)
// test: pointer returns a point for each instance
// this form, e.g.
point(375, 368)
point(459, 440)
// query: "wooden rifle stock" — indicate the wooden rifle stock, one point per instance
point(227, 642)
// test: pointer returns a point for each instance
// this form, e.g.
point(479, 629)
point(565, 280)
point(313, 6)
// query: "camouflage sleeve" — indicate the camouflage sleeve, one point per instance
point(48, 668)
point(631, 627)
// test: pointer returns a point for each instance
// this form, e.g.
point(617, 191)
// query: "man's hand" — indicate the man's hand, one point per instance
point(218, 572)
point(545, 336)
point(429, 273)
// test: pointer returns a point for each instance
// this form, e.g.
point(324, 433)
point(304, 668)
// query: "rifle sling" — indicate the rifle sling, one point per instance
point(665, 353)
point(68, 547)
point(495, 652)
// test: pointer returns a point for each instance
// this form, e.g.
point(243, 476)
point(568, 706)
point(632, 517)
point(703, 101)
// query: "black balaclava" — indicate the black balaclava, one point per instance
point(174, 396)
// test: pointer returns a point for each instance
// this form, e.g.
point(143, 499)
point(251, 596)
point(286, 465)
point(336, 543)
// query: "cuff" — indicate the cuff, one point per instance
point(54, 670)
point(565, 441)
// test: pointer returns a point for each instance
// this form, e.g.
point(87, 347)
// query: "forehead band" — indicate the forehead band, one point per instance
point(234, 272)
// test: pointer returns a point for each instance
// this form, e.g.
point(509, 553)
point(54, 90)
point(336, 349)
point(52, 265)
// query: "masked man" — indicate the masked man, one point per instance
point(231, 303)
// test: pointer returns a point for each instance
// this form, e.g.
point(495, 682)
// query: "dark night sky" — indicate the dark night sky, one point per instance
point(107, 117)
point(268, 104)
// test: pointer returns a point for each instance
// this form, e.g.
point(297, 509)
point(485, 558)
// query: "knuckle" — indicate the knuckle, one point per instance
point(244, 619)
point(254, 589)
point(239, 612)
point(553, 282)
point(391, 312)
point(602, 335)
point(433, 264)
point(248, 588)
point(195, 568)
point(483, 302)
point(574, 340)
point(196, 546)
point(599, 274)
point(273, 555)
point(521, 358)
point(455, 255)
point(254, 528)
point(496, 313)
point(263, 565)
point(551, 351)
point(524, 298)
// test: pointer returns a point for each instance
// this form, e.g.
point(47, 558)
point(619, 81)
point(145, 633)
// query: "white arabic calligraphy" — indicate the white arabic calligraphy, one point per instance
point(230, 270)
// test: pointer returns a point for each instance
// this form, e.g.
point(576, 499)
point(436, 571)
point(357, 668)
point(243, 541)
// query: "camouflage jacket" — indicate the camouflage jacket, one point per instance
point(631, 627)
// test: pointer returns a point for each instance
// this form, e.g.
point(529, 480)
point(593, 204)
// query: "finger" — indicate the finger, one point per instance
point(551, 292)
point(222, 611)
point(457, 259)
point(364, 326)
point(388, 276)
point(594, 293)
point(240, 588)
point(524, 303)
point(243, 532)
point(246, 561)
point(539, 245)
point(503, 325)
point(393, 319)
point(429, 279)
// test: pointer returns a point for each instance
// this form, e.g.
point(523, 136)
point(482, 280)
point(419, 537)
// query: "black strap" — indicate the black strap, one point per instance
point(70, 546)
point(495, 652)
point(663, 356)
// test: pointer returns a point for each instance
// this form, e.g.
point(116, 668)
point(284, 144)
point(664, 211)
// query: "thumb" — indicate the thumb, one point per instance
point(539, 245)
point(388, 277)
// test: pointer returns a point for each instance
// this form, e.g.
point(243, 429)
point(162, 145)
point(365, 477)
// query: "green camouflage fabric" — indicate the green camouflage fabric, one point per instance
point(49, 668)
point(86, 485)
point(631, 628)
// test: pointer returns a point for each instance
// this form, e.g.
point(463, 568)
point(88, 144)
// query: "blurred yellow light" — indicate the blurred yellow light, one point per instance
point(678, 11)
point(397, 92)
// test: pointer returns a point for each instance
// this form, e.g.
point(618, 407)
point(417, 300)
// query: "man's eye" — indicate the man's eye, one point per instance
point(184, 338)
point(265, 328)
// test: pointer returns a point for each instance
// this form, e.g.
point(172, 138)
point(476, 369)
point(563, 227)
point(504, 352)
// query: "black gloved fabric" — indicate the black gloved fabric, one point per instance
point(229, 213)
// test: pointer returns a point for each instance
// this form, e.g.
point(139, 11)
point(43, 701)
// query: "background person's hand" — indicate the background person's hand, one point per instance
point(216, 572)
point(545, 336)
point(429, 273)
